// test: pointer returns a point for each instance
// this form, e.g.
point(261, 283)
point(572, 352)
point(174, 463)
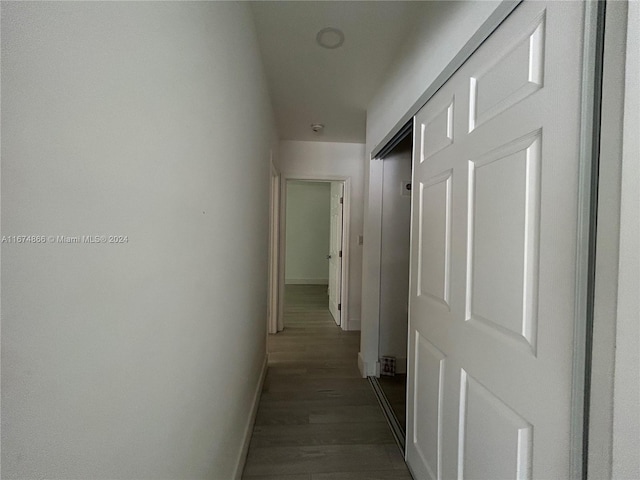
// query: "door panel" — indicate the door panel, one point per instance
point(494, 245)
point(435, 238)
point(515, 75)
point(335, 248)
point(502, 262)
point(427, 404)
point(492, 436)
point(437, 132)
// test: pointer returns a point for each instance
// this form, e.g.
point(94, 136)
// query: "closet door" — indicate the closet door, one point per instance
point(493, 263)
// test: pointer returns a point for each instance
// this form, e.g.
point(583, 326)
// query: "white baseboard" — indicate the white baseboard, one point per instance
point(368, 369)
point(353, 324)
point(306, 281)
point(248, 429)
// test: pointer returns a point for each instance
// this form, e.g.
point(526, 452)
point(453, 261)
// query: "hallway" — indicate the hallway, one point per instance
point(317, 419)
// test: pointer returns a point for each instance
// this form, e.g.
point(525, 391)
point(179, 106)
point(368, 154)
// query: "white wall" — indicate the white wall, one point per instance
point(442, 31)
point(394, 261)
point(134, 119)
point(626, 412)
point(317, 160)
point(308, 218)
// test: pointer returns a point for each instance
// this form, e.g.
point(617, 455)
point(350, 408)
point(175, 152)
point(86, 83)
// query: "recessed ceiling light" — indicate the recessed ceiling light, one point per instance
point(317, 127)
point(330, 38)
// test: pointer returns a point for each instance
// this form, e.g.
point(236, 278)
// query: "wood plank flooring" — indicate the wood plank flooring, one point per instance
point(317, 419)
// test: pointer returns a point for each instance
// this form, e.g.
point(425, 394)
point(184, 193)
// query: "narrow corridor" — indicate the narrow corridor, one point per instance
point(317, 419)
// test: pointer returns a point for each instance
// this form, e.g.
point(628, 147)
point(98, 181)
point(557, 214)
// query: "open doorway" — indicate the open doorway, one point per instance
point(313, 250)
point(391, 385)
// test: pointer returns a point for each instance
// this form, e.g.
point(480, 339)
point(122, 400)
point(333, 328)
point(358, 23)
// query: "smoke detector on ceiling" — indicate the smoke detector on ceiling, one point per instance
point(317, 127)
point(330, 38)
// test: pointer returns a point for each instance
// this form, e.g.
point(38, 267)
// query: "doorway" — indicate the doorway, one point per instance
point(313, 250)
point(395, 237)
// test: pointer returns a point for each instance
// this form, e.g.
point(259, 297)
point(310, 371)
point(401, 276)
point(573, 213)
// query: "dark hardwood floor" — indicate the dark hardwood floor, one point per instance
point(317, 419)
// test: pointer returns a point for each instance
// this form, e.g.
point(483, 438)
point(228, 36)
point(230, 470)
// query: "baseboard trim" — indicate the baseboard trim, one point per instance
point(368, 369)
point(248, 430)
point(306, 281)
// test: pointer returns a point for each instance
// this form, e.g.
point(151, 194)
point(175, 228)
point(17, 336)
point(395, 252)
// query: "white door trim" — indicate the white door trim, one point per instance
point(586, 234)
point(273, 316)
point(346, 214)
point(610, 223)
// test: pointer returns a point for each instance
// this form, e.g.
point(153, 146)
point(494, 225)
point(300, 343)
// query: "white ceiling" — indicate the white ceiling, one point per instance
point(310, 84)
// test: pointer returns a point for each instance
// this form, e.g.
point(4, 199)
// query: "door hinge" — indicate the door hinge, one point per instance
point(339, 306)
point(341, 200)
point(340, 253)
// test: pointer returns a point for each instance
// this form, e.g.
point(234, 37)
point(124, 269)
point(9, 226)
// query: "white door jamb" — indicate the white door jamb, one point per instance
point(274, 325)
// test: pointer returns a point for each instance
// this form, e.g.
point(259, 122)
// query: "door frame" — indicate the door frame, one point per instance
point(372, 267)
point(282, 240)
point(586, 296)
point(274, 324)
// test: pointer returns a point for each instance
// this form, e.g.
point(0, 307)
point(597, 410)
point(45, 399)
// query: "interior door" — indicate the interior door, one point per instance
point(335, 251)
point(493, 262)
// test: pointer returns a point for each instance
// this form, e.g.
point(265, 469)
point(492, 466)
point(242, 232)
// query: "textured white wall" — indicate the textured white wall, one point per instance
point(326, 159)
point(443, 29)
point(308, 218)
point(150, 120)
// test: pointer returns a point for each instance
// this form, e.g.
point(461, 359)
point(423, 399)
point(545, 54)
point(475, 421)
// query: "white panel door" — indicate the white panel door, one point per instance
point(496, 159)
point(335, 251)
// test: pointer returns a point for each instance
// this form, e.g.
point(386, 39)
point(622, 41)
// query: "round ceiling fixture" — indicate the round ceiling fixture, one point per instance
point(330, 38)
point(317, 127)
